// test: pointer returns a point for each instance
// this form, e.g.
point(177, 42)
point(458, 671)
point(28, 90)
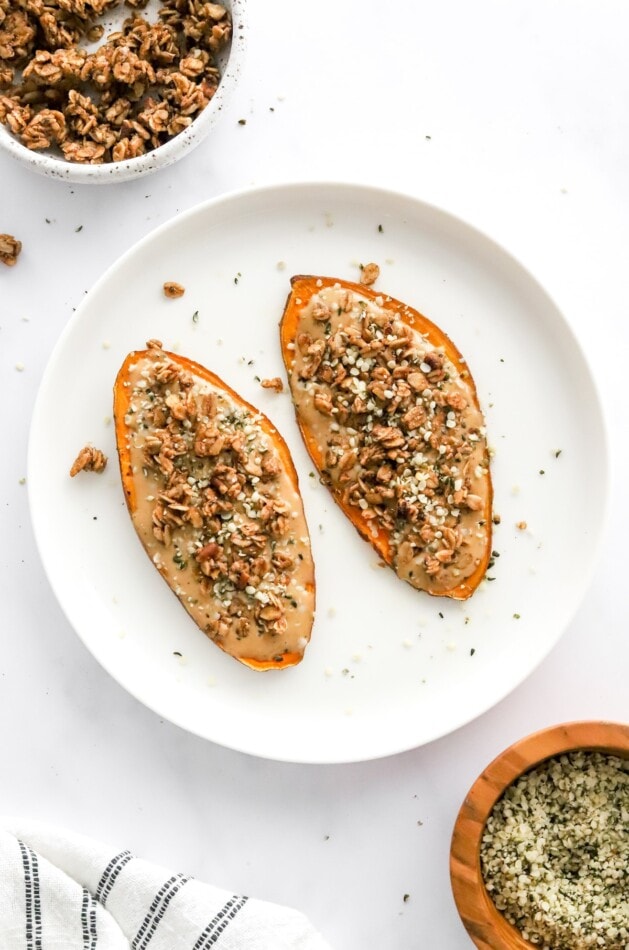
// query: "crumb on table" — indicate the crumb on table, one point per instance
point(10, 249)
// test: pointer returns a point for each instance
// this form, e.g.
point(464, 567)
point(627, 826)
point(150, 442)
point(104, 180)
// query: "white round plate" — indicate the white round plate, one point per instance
point(388, 668)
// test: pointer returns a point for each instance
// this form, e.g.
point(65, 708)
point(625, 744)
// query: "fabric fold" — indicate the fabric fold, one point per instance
point(63, 891)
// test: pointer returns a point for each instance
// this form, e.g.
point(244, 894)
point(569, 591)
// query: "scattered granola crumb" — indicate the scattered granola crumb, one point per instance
point(20, 367)
point(496, 519)
point(369, 274)
point(521, 525)
point(10, 249)
point(172, 289)
point(275, 383)
point(22, 481)
point(89, 459)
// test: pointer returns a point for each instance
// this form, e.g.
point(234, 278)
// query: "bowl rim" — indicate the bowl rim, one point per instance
point(160, 157)
point(486, 926)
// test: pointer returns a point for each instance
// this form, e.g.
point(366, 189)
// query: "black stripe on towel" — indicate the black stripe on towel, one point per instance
point(157, 910)
point(32, 899)
point(110, 874)
point(222, 920)
point(88, 920)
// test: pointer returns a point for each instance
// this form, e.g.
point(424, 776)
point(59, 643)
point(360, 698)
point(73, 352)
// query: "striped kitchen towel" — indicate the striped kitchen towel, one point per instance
point(64, 891)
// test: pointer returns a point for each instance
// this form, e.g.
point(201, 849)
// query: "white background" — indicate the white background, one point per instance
point(513, 116)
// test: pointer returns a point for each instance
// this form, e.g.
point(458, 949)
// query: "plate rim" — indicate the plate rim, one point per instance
point(342, 188)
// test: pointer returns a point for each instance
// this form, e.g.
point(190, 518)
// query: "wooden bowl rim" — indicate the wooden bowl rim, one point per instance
point(468, 887)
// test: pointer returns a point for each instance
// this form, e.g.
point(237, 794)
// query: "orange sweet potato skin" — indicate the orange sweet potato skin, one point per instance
point(121, 401)
point(302, 289)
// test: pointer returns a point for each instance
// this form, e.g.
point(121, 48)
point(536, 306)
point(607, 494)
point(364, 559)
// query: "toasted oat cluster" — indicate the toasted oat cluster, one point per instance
point(89, 459)
point(138, 89)
point(219, 504)
point(10, 249)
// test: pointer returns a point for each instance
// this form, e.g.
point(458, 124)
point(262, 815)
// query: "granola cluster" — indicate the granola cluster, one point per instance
point(401, 439)
point(10, 249)
point(138, 89)
point(218, 502)
point(89, 459)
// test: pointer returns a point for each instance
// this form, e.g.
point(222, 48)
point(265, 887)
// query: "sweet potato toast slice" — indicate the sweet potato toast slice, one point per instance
point(389, 413)
point(214, 497)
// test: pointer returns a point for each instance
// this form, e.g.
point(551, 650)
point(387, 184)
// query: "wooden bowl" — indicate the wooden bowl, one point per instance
point(485, 924)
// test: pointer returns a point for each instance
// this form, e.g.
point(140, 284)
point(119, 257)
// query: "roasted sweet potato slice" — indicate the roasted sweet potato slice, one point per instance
point(389, 413)
point(214, 498)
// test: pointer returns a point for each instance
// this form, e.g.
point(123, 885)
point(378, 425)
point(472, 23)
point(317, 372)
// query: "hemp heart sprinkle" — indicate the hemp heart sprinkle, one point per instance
point(555, 853)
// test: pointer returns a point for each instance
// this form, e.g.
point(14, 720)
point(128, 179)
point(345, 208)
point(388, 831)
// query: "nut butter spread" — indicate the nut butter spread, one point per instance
point(214, 498)
point(390, 416)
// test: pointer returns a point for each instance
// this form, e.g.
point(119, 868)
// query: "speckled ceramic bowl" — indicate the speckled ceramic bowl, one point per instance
point(488, 929)
point(51, 165)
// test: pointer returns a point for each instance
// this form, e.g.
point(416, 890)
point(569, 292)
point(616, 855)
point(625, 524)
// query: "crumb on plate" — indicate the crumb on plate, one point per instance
point(89, 459)
point(172, 289)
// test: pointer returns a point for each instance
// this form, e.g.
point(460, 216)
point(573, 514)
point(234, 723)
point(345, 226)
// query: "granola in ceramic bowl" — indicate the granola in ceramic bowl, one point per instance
point(100, 90)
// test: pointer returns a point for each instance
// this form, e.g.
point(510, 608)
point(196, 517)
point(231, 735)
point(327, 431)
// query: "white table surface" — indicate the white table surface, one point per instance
point(512, 115)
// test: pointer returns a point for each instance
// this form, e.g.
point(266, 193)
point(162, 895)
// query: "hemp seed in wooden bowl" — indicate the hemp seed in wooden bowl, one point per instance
point(540, 849)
